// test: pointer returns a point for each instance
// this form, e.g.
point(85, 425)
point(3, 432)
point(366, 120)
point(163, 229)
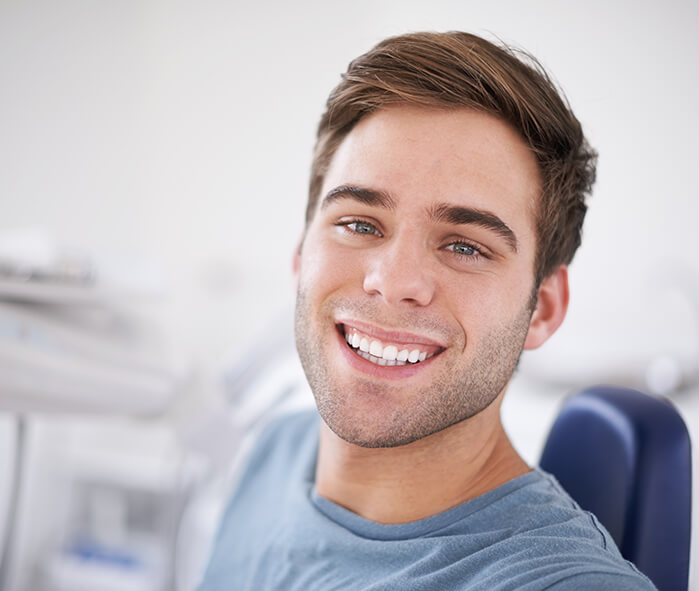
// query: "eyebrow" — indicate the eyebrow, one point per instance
point(366, 196)
point(442, 212)
point(454, 214)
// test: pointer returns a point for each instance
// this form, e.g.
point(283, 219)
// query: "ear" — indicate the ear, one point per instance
point(296, 262)
point(551, 307)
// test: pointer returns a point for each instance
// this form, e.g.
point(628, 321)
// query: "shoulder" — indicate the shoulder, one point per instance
point(282, 445)
point(558, 544)
point(544, 509)
point(271, 482)
point(288, 434)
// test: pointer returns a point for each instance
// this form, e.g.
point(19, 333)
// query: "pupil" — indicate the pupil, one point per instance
point(464, 249)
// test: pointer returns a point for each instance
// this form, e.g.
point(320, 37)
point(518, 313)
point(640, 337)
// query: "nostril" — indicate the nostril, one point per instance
point(402, 285)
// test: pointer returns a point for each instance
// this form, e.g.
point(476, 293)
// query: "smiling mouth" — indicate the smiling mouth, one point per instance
point(387, 353)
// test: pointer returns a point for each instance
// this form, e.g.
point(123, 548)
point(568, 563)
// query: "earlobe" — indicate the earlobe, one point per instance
point(551, 307)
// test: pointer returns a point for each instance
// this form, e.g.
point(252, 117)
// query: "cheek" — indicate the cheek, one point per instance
point(485, 300)
point(326, 267)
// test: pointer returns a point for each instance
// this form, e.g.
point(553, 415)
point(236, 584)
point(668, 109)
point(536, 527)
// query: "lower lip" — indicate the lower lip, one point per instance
point(380, 371)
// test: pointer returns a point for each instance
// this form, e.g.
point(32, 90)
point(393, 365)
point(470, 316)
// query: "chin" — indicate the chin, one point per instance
point(382, 425)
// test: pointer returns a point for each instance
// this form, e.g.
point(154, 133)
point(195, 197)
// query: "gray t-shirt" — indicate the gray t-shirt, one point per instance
point(279, 534)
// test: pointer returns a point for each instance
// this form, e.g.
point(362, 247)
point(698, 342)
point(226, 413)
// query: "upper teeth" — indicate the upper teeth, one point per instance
point(393, 354)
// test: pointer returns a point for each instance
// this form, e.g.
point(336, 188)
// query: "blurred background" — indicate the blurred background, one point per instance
point(154, 159)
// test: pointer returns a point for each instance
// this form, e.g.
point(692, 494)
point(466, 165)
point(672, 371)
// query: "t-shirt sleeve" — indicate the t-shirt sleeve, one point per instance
point(603, 582)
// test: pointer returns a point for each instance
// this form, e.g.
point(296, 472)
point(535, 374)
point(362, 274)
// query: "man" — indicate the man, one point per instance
point(446, 200)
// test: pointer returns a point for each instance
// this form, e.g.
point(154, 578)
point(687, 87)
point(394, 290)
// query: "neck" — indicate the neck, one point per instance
point(423, 478)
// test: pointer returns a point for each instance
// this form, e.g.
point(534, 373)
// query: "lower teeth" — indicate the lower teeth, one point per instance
point(379, 360)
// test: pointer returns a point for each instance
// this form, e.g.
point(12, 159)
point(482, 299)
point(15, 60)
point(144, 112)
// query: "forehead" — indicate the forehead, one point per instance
point(423, 156)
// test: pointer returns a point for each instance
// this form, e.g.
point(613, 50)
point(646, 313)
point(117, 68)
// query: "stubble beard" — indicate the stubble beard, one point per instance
point(457, 394)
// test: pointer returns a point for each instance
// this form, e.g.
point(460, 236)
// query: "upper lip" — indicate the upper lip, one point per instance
point(389, 335)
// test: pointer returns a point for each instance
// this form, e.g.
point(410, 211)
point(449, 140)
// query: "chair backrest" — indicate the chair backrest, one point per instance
point(626, 457)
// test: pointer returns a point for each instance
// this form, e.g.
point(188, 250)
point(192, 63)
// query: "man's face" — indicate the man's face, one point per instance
point(415, 277)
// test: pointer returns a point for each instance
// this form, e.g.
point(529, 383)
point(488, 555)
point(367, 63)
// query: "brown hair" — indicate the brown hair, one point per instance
point(457, 69)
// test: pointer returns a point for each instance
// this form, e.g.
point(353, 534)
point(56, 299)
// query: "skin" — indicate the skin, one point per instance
point(401, 444)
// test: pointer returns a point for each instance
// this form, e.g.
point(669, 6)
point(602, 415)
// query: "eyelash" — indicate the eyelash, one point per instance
point(346, 225)
point(477, 253)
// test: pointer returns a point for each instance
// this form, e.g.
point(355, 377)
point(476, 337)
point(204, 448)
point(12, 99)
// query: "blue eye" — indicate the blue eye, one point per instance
point(355, 228)
point(467, 252)
point(463, 249)
point(362, 227)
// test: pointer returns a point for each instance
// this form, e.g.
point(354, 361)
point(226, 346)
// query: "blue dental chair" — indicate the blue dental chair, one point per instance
point(625, 456)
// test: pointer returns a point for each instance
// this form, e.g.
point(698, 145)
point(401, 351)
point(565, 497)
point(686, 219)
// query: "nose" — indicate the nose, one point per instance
point(399, 271)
